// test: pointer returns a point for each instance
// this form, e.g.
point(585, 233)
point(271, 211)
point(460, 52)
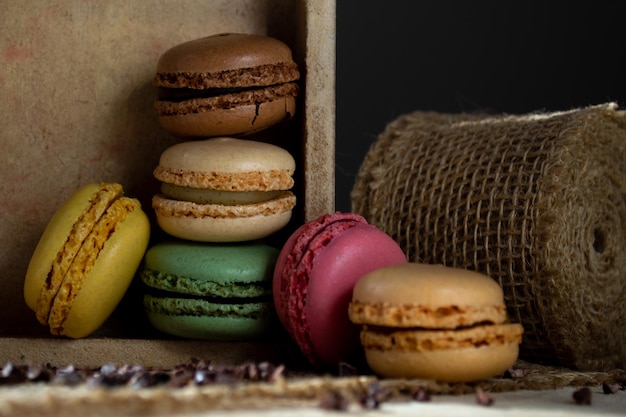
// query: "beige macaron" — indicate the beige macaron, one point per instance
point(224, 190)
point(435, 322)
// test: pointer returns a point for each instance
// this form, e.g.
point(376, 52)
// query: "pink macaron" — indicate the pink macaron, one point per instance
point(314, 276)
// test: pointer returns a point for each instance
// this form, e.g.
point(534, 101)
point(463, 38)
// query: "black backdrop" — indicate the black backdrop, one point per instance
point(397, 56)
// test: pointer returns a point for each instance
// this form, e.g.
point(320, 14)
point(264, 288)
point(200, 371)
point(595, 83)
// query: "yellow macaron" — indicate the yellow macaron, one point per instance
point(224, 190)
point(436, 322)
point(86, 259)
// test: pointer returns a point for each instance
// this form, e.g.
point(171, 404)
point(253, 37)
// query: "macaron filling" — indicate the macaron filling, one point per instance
point(166, 283)
point(209, 102)
point(215, 307)
point(169, 208)
point(425, 340)
point(208, 196)
point(237, 79)
point(187, 93)
point(190, 296)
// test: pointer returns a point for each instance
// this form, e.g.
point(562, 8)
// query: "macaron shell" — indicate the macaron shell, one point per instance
point(229, 121)
point(452, 365)
point(293, 269)
point(204, 269)
point(196, 222)
point(211, 328)
point(336, 270)
point(314, 276)
point(289, 282)
point(431, 296)
point(53, 239)
point(222, 52)
point(224, 198)
point(110, 277)
point(223, 155)
point(423, 284)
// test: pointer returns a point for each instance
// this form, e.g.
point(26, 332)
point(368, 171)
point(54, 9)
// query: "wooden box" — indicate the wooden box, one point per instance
point(76, 107)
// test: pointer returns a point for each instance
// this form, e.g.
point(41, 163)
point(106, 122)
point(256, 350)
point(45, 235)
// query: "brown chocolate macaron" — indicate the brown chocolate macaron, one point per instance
point(225, 85)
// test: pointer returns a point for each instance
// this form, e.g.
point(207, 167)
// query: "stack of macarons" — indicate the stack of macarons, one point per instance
point(225, 187)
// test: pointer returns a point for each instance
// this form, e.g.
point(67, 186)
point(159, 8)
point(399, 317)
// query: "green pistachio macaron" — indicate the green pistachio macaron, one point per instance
point(210, 291)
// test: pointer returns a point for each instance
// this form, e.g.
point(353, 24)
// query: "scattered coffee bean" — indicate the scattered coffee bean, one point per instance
point(37, 373)
point(582, 396)
point(69, 375)
point(610, 388)
point(149, 379)
point(193, 372)
point(17, 374)
point(420, 394)
point(375, 395)
point(482, 398)
point(346, 369)
point(333, 401)
point(514, 373)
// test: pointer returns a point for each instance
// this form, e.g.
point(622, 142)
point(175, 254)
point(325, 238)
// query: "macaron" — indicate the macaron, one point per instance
point(210, 291)
point(224, 190)
point(225, 85)
point(86, 259)
point(435, 322)
point(314, 277)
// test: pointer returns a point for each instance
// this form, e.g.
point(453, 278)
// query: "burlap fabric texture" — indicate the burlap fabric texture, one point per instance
point(536, 201)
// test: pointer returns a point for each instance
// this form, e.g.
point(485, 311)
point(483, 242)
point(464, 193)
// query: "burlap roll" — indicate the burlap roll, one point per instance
point(536, 201)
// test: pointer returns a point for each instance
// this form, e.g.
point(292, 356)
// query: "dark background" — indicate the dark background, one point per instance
point(397, 56)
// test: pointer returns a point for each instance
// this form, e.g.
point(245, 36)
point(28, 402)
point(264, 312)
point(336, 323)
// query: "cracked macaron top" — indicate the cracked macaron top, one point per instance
point(225, 84)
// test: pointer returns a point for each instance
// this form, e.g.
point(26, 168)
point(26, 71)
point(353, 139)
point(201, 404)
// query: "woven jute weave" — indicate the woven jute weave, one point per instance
point(536, 201)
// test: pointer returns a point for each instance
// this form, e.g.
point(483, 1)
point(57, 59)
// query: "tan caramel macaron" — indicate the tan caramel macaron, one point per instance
point(224, 190)
point(225, 85)
point(435, 322)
